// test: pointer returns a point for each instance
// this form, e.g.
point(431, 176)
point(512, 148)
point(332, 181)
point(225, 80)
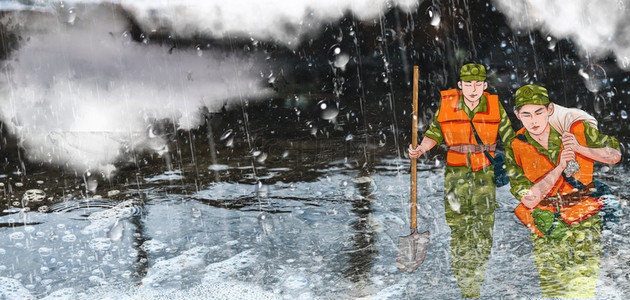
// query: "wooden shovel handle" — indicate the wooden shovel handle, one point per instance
point(414, 143)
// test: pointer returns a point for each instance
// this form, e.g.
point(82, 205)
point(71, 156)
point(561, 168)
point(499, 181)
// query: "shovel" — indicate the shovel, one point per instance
point(412, 248)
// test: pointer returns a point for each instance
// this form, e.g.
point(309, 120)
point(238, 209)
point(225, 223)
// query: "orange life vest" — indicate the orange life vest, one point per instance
point(536, 166)
point(456, 128)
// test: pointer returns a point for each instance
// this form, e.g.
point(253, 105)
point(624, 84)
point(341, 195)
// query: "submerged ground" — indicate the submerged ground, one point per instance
point(319, 220)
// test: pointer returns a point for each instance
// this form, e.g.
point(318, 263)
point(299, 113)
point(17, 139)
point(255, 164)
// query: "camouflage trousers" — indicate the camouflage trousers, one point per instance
point(469, 207)
point(569, 268)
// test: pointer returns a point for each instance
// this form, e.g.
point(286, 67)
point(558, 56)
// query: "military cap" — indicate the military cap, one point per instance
point(472, 72)
point(531, 94)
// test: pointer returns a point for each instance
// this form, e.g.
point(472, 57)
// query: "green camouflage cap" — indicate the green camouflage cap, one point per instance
point(531, 94)
point(472, 72)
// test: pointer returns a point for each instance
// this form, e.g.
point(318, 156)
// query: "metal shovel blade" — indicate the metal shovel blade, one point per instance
point(411, 250)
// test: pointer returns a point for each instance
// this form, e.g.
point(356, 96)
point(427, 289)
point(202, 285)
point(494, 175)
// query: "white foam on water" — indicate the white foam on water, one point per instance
point(166, 176)
point(218, 167)
point(166, 269)
point(62, 294)
point(396, 291)
point(12, 289)
point(220, 290)
point(106, 219)
point(230, 266)
point(154, 246)
point(100, 244)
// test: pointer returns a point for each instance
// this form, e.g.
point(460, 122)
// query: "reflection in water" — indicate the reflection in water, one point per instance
point(361, 257)
point(139, 237)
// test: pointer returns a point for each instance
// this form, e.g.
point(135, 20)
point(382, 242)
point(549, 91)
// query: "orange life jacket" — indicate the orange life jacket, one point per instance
point(456, 128)
point(536, 166)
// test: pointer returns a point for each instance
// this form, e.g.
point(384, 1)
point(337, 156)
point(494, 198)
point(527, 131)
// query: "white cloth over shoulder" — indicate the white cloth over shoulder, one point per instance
point(563, 117)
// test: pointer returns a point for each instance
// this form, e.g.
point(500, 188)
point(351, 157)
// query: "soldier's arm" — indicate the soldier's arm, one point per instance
point(542, 188)
point(432, 137)
point(506, 133)
point(519, 184)
point(599, 147)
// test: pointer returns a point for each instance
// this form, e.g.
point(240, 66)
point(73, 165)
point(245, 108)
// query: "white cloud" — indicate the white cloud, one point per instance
point(280, 20)
point(598, 27)
point(81, 95)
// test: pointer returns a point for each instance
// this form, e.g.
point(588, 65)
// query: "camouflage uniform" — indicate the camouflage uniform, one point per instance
point(469, 198)
point(568, 267)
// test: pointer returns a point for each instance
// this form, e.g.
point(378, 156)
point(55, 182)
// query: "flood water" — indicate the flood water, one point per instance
point(301, 193)
point(319, 219)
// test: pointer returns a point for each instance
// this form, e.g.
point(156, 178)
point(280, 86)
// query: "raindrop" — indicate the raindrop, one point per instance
point(328, 109)
point(91, 183)
point(262, 157)
point(226, 135)
point(34, 195)
point(453, 201)
point(69, 238)
point(116, 231)
point(337, 57)
point(349, 137)
point(18, 235)
point(625, 62)
point(228, 138)
point(460, 24)
point(230, 142)
point(382, 141)
point(390, 35)
point(72, 15)
point(597, 106)
point(623, 114)
point(594, 77)
point(265, 221)
point(552, 42)
point(196, 213)
point(126, 38)
point(199, 50)
point(434, 16)
point(503, 44)
point(44, 251)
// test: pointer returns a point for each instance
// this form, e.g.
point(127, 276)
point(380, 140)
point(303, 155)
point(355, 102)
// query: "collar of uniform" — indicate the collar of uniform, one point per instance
point(554, 143)
point(481, 107)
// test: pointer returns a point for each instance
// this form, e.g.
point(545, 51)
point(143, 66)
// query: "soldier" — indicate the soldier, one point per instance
point(469, 181)
point(560, 206)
